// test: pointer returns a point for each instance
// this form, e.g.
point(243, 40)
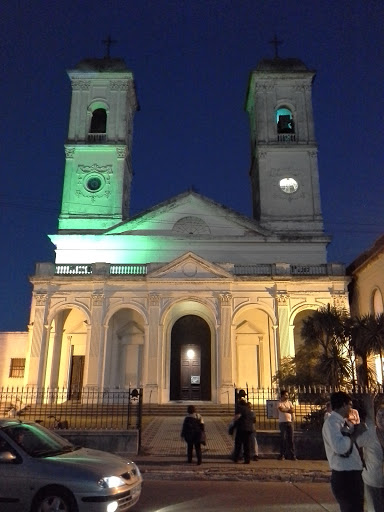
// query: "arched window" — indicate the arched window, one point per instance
point(377, 302)
point(284, 120)
point(191, 226)
point(99, 121)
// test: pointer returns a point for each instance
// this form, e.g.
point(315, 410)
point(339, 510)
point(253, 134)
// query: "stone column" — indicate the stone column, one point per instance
point(225, 349)
point(282, 299)
point(154, 357)
point(38, 343)
point(95, 341)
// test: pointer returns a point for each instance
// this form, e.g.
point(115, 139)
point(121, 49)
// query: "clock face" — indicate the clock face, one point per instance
point(288, 185)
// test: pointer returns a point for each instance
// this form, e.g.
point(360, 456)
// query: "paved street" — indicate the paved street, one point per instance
point(184, 496)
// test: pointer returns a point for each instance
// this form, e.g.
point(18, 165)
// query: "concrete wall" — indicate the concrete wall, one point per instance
point(12, 345)
point(122, 442)
point(308, 445)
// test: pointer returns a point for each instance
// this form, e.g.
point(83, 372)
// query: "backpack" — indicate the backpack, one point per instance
point(192, 428)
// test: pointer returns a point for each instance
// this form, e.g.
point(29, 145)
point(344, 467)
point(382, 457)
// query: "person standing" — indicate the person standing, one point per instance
point(343, 455)
point(254, 446)
point(372, 442)
point(244, 420)
point(191, 432)
point(285, 408)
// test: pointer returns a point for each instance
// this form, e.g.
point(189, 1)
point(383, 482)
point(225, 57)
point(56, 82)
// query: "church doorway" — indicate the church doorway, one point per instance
point(190, 359)
point(76, 377)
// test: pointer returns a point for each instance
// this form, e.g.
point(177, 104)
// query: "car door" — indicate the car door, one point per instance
point(12, 479)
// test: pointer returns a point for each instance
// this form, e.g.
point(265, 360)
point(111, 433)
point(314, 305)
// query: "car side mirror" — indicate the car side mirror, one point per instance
point(7, 457)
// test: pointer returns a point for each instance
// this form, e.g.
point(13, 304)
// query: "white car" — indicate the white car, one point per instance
point(41, 472)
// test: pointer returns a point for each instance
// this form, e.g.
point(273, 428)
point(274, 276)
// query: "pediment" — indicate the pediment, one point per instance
point(246, 327)
point(131, 328)
point(189, 266)
point(189, 214)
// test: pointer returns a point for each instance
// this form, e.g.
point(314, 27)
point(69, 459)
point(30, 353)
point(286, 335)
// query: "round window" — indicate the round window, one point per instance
point(288, 185)
point(93, 184)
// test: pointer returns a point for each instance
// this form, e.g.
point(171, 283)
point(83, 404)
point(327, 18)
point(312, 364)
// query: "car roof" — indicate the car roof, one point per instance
point(7, 422)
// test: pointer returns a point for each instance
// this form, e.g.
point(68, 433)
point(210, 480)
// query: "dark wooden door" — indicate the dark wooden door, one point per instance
point(190, 377)
point(190, 367)
point(76, 377)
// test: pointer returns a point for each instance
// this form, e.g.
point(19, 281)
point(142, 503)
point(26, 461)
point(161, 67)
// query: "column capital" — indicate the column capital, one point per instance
point(225, 298)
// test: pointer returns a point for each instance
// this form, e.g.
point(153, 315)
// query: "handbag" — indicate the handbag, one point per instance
point(203, 439)
point(231, 428)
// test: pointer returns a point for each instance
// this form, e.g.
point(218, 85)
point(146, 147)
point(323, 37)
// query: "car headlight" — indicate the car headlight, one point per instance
point(110, 481)
point(135, 469)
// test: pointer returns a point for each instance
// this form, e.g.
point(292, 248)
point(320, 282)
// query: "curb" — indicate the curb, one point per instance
point(227, 475)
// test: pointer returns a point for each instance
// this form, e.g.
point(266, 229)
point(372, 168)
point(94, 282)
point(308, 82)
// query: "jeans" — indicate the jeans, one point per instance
point(242, 441)
point(197, 446)
point(348, 489)
point(286, 440)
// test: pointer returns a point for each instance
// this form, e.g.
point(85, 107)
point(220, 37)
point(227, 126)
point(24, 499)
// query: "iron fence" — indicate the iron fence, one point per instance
point(92, 409)
point(309, 404)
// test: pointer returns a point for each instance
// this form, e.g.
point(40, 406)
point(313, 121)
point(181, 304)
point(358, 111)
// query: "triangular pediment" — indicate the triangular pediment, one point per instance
point(246, 327)
point(131, 328)
point(189, 214)
point(189, 266)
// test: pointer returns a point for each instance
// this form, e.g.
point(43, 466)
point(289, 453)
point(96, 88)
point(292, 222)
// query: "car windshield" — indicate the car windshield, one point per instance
point(36, 440)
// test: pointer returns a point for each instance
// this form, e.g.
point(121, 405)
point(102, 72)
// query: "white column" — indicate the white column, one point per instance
point(38, 343)
point(283, 318)
point(95, 338)
point(225, 350)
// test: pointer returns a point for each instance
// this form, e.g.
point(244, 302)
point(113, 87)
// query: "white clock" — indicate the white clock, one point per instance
point(288, 185)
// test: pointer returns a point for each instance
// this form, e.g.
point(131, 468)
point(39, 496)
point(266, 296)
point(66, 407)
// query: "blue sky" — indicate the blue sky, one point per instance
point(191, 61)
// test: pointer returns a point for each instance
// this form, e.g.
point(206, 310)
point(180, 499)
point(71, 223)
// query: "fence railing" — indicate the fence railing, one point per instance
point(84, 409)
point(309, 403)
point(141, 269)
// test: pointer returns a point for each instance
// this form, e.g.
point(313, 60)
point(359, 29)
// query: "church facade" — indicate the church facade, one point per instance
point(189, 298)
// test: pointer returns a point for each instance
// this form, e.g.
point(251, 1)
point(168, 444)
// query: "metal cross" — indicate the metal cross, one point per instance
point(276, 43)
point(108, 42)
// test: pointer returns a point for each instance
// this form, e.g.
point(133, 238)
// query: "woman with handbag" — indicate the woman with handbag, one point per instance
point(193, 433)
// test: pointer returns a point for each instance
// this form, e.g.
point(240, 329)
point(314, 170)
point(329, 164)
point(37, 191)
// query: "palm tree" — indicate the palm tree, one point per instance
point(367, 339)
point(325, 330)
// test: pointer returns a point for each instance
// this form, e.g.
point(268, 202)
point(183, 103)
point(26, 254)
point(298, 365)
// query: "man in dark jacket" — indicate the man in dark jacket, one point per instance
point(244, 427)
point(193, 426)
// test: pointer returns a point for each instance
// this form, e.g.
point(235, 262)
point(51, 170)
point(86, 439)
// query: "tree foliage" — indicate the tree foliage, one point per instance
point(325, 332)
point(337, 351)
point(367, 339)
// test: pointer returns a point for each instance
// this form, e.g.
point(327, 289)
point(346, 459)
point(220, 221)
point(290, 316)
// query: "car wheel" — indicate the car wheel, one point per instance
point(55, 499)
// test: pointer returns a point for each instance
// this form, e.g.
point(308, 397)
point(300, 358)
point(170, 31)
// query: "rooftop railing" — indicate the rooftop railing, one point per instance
point(139, 269)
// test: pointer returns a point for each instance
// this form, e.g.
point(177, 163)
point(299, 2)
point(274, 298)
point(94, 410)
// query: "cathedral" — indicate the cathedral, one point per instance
point(189, 298)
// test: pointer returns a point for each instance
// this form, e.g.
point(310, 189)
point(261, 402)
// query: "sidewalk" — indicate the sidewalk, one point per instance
point(163, 457)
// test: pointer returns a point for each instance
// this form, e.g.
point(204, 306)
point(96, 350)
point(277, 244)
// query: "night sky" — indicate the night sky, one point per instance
point(191, 61)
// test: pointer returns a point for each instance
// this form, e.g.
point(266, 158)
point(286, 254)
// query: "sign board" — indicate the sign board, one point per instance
point(272, 410)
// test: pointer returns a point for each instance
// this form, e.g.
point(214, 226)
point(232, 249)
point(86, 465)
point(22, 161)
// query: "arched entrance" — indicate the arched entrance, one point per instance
point(190, 359)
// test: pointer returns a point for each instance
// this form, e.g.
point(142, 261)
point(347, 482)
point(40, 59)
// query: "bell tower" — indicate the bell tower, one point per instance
point(98, 168)
point(284, 169)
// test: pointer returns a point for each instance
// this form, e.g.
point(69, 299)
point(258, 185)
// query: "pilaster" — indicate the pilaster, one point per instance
point(224, 345)
point(95, 341)
point(282, 305)
point(37, 359)
point(154, 357)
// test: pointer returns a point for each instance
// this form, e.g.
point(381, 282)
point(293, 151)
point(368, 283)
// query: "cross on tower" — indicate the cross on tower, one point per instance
point(108, 42)
point(276, 43)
